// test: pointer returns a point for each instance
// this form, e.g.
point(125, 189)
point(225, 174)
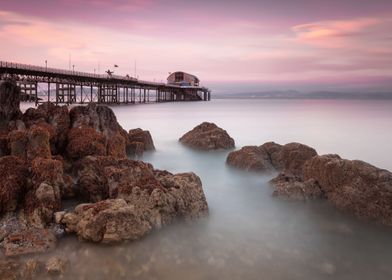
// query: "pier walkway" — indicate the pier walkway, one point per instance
point(44, 84)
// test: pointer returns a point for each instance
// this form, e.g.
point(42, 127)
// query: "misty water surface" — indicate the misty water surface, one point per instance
point(249, 234)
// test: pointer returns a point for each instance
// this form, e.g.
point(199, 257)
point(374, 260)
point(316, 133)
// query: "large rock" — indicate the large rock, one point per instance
point(271, 157)
point(38, 142)
point(353, 185)
point(152, 199)
point(9, 103)
point(208, 136)
point(107, 221)
point(29, 241)
point(263, 158)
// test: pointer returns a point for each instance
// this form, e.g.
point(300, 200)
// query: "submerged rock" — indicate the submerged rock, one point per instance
point(29, 241)
point(208, 136)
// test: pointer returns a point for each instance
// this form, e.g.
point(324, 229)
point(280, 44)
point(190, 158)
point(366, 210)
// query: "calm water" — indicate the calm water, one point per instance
point(249, 234)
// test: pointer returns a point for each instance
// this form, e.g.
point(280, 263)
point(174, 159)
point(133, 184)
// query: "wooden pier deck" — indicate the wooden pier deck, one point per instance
point(43, 84)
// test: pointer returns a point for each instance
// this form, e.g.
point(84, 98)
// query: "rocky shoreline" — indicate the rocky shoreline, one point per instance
point(51, 154)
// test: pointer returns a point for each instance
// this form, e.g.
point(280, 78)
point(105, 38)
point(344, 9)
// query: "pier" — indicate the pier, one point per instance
point(43, 84)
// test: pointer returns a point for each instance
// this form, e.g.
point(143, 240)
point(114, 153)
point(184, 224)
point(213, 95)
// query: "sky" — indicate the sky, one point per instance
point(245, 45)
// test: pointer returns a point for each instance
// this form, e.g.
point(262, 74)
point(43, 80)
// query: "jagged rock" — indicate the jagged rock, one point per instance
point(9, 103)
point(135, 149)
point(85, 141)
point(13, 173)
point(107, 221)
point(353, 185)
point(155, 197)
point(141, 136)
point(56, 266)
point(29, 241)
point(208, 136)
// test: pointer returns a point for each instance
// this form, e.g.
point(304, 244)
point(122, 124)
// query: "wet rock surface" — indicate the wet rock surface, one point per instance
point(208, 136)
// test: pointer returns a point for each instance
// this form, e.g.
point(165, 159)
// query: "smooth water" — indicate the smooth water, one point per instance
point(249, 234)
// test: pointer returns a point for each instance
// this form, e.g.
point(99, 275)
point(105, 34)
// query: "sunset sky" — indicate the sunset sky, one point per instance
point(231, 45)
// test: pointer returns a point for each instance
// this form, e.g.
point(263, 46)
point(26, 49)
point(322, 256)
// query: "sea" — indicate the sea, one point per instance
point(249, 234)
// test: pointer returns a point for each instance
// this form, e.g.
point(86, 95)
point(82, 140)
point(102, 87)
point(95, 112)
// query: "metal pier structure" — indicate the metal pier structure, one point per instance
point(43, 84)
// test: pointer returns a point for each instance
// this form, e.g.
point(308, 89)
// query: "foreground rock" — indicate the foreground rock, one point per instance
point(132, 198)
point(208, 136)
point(353, 185)
point(271, 157)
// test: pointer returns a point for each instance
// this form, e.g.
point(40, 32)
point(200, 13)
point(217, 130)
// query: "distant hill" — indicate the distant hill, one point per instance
point(292, 94)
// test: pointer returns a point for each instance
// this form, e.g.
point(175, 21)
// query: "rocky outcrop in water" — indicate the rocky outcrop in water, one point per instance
point(208, 136)
point(271, 157)
point(50, 154)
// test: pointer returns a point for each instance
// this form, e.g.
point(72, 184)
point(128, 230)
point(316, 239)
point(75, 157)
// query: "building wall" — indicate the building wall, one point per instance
point(181, 78)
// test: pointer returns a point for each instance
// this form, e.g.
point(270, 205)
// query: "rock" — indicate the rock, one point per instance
point(135, 149)
point(291, 187)
point(56, 266)
point(85, 141)
point(271, 157)
point(207, 136)
point(18, 143)
point(152, 199)
point(117, 146)
point(58, 217)
point(29, 241)
point(13, 173)
point(141, 136)
point(107, 221)
point(251, 158)
point(44, 197)
point(9, 103)
point(294, 155)
point(31, 269)
point(38, 142)
point(354, 186)
point(4, 140)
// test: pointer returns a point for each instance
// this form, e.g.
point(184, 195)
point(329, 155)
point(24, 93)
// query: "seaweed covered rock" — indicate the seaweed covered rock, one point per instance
point(208, 136)
point(13, 173)
point(85, 141)
point(38, 142)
